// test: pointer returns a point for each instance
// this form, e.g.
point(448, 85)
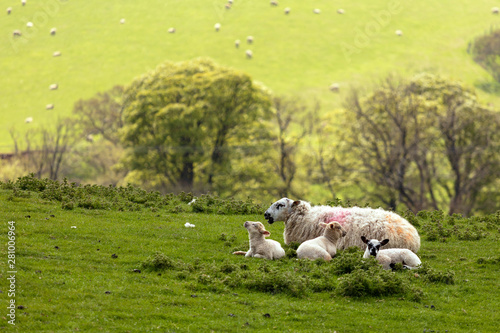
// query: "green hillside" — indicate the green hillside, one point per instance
point(300, 53)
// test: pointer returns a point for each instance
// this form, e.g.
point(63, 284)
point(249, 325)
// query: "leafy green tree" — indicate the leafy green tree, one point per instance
point(101, 115)
point(96, 157)
point(425, 142)
point(293, 126)
point(183, 121)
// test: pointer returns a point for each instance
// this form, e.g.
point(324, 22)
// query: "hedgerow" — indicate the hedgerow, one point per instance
point(126, 198)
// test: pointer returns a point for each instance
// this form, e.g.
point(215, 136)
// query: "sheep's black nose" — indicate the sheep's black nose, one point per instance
point(266, 215)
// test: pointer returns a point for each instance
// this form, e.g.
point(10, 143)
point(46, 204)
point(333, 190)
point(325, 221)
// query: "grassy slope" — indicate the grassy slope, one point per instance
point(300, 53)
point(63, 289)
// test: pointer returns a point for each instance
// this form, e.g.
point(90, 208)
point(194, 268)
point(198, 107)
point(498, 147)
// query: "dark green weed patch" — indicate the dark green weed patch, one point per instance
point(348, 275)
point(128, 198)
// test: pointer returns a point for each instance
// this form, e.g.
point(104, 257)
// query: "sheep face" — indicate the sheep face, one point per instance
point(278, 210)
point(373, 245)
point(255, 228)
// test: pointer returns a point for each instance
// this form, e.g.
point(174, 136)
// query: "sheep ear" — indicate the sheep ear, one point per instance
point(363, 238)
point(385, 241)
point(323, 225)
point(295, 203)
point(266, 233)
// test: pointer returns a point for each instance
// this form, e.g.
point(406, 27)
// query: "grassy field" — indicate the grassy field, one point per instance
point(138, 271)
point(300, 53)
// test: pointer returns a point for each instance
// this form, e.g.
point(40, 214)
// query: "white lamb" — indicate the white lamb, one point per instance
point(260, 247)
point(390, 257)
point(322, 247)
point(302, 223)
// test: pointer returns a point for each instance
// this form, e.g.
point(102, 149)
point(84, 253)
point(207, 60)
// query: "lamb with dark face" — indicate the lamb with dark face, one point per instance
point(373, 245)
point(389, 257)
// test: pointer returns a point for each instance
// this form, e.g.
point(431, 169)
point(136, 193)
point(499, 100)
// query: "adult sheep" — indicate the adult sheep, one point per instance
point(302, 222)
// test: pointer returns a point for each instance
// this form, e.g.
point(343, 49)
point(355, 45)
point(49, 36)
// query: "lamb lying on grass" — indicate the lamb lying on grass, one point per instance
point(322, 247)
point(302, 223)
point(390, 257)
point(260, 247)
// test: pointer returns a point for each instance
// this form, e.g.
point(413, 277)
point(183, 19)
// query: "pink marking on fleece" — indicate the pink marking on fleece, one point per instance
point(339, 216)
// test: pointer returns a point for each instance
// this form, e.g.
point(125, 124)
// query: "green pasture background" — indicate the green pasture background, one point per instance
point(301, 53)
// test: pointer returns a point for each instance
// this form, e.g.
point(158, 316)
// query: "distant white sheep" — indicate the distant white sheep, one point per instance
point(49, 107)
point(171, 30)
point(250, 39)
point(227, 6)
point(317, 11)
point(287, 10)
point(399, 32)
point(274, 3)
point(53, 31)
point(54, 86)
point(17, 33)
point(495, 10)
point(217, 26)
point(322, 247)
point(9, 10)
point(340, 11)
point(249, 54)
point(302, 223)
point(29, 24)
point(90, 138)
point(23, 2)
point(57, 54)
point(28, 120)
point(389, 257)
point(334, 87)
point(260, 247)
point(237, 43)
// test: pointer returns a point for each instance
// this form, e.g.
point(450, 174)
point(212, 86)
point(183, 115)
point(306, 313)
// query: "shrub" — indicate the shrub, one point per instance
point(31, 183)
point(432, 275)
point(412, 218)
point(372, 282)
point(275, 282)
point(209, 203)
point(489, 261)
point(159, 261)
point(351, 260)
